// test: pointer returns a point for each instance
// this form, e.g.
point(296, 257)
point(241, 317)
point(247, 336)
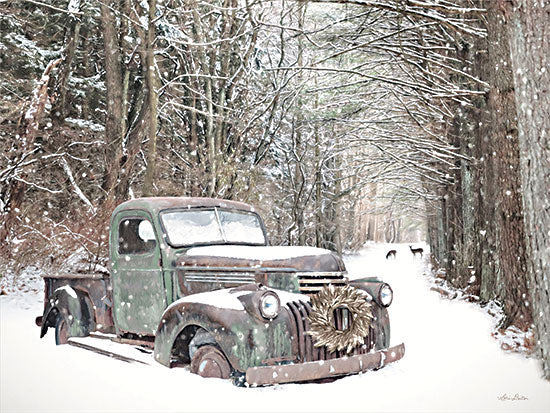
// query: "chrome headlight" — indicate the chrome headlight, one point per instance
point(385, 295)
point(269, 305)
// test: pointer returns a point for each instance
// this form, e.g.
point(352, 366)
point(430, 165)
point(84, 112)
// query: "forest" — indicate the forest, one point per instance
point(341, 121)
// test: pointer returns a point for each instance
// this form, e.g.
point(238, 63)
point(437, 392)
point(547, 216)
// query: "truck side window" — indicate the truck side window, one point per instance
point(135, 236)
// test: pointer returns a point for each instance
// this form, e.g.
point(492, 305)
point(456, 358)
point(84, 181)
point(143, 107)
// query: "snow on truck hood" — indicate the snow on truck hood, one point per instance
point(262, 253)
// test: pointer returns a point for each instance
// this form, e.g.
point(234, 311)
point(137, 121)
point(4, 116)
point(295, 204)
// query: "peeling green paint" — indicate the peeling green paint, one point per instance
point(257, 342)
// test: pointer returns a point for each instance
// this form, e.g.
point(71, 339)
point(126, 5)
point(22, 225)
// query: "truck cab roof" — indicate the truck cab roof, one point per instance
point(157, 204)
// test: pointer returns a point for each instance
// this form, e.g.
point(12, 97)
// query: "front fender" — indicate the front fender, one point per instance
point(380, 313)
point(76, 308)
point(245, 339)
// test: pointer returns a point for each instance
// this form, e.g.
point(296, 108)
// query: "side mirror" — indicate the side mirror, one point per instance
point(145, 231)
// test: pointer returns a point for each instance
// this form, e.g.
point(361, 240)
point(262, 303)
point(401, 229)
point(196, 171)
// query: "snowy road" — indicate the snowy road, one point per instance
point(451, 364)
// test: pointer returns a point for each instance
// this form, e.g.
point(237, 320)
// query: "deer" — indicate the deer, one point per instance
point(391, 254)
point(416, 251)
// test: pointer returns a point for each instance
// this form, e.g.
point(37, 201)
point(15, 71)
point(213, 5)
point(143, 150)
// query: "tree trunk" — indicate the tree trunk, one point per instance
point(508, 202)
point(453, 198)
point(318, 179)
point(71, 41)
point(530, 51)
point(113, 82)
point(153, 103)
point(372, 217)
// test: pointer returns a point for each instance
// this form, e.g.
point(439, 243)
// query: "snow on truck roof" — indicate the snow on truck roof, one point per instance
point(159, 203)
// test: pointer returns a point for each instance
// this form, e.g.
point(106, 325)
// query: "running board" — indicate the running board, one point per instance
point(105, 352)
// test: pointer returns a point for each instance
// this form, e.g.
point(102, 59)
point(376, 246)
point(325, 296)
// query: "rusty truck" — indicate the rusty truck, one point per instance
point(196, 281)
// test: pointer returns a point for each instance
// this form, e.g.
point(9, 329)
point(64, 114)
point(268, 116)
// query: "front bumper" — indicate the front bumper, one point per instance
point(314, 370)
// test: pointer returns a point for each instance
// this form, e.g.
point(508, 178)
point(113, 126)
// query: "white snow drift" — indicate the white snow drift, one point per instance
point(451, 363)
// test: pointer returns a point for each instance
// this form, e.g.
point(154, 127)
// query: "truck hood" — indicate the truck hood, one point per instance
point(253, 257)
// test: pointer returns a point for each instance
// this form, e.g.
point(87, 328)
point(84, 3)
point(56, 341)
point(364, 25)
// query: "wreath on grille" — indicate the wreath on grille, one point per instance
point(322, 323)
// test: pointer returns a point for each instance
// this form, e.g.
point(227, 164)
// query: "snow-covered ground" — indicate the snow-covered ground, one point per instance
point(451, 363)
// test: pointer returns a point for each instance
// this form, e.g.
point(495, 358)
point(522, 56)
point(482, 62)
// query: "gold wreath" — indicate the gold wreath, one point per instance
point(321, 319)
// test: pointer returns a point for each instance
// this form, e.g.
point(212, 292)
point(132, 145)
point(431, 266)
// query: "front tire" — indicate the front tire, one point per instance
point(209, 361)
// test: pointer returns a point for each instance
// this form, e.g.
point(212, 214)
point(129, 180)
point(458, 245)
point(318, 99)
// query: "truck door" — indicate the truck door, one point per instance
point(139, 296)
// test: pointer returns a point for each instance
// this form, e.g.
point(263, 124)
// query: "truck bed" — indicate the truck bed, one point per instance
point(96, 287)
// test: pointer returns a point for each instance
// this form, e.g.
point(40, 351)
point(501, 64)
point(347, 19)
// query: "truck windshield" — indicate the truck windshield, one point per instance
point(212, 226)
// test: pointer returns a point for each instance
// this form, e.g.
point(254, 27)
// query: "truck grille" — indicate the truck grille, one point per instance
point(313, 282)
point(303, 343)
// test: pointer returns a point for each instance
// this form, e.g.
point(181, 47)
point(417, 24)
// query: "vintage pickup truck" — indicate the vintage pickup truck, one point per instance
point(195, 280)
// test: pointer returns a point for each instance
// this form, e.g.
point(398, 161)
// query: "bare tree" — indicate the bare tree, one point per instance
point(15, 177)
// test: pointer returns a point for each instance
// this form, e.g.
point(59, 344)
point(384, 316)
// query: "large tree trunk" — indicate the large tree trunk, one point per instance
point(510, 245)
point(530, 51)
point(152, 94)
point(114, 118)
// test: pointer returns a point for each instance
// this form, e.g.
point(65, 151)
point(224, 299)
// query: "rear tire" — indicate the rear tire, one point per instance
point(61, 330)
point(209, 361)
